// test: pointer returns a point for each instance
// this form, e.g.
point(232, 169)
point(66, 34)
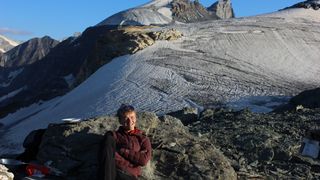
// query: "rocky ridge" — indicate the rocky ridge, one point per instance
point(28, 52)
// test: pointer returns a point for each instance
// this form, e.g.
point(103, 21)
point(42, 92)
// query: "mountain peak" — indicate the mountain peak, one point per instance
point(159, 12)
point(28, 52)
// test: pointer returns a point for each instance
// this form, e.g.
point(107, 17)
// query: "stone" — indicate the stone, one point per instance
point(4, 174)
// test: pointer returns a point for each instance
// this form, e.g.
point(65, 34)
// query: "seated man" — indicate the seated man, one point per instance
point(124, 151)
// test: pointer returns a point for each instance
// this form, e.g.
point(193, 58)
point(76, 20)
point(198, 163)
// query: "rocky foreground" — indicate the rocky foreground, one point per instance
point(187, 144)
point(217, 144)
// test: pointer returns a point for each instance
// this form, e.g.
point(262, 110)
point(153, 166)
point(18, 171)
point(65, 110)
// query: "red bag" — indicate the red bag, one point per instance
point(37, 170)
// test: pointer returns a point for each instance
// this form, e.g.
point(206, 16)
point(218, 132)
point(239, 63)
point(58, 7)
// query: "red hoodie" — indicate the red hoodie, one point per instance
point(133, 150)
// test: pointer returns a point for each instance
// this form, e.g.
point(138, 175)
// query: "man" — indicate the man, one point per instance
point(124, 151)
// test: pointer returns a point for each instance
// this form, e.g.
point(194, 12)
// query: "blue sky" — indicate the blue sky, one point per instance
point(23, 20)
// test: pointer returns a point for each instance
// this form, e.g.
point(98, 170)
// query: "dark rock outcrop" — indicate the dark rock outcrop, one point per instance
point(28, 52)
point(177, 154)
point(187, 11)
point(223, 9)
point(307, 99)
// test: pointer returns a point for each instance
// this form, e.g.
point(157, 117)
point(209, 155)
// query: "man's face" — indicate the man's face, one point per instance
point(128, 120)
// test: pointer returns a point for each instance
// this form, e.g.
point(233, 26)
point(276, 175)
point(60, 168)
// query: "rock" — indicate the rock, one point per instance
point(186, 11)
point(4, 174)
point(308, 99)
point(223, 9)
point(303, 101)
point(177, 154)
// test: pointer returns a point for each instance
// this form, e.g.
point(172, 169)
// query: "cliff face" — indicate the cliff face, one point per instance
point(223, 9)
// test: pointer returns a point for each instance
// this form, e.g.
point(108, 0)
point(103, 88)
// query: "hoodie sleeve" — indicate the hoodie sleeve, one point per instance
point(141, 157)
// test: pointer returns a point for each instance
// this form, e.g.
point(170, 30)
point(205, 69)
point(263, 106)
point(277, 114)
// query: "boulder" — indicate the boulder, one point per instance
point(308, 99)
point(177, 154)
point(4, 174)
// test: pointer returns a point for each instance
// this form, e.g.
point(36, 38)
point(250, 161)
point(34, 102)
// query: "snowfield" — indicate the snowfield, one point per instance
point(237, 61)
point(153, 12)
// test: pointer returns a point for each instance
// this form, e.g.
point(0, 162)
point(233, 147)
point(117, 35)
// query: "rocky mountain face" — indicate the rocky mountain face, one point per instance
point(28, 52)
point(190, 11)
point(69, 63)
point(162, 12)
point(6, 44)
point(223, 9)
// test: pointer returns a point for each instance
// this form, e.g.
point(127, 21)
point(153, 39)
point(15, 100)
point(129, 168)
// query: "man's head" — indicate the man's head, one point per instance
point(127, 117)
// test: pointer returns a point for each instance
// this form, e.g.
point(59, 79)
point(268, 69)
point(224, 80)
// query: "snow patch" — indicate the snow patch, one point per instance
point(2, 50)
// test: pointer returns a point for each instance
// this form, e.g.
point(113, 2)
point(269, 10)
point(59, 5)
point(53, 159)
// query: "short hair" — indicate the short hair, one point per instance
point(124, 108)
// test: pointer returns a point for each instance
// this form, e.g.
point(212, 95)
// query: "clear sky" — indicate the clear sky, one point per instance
point(23, 20)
